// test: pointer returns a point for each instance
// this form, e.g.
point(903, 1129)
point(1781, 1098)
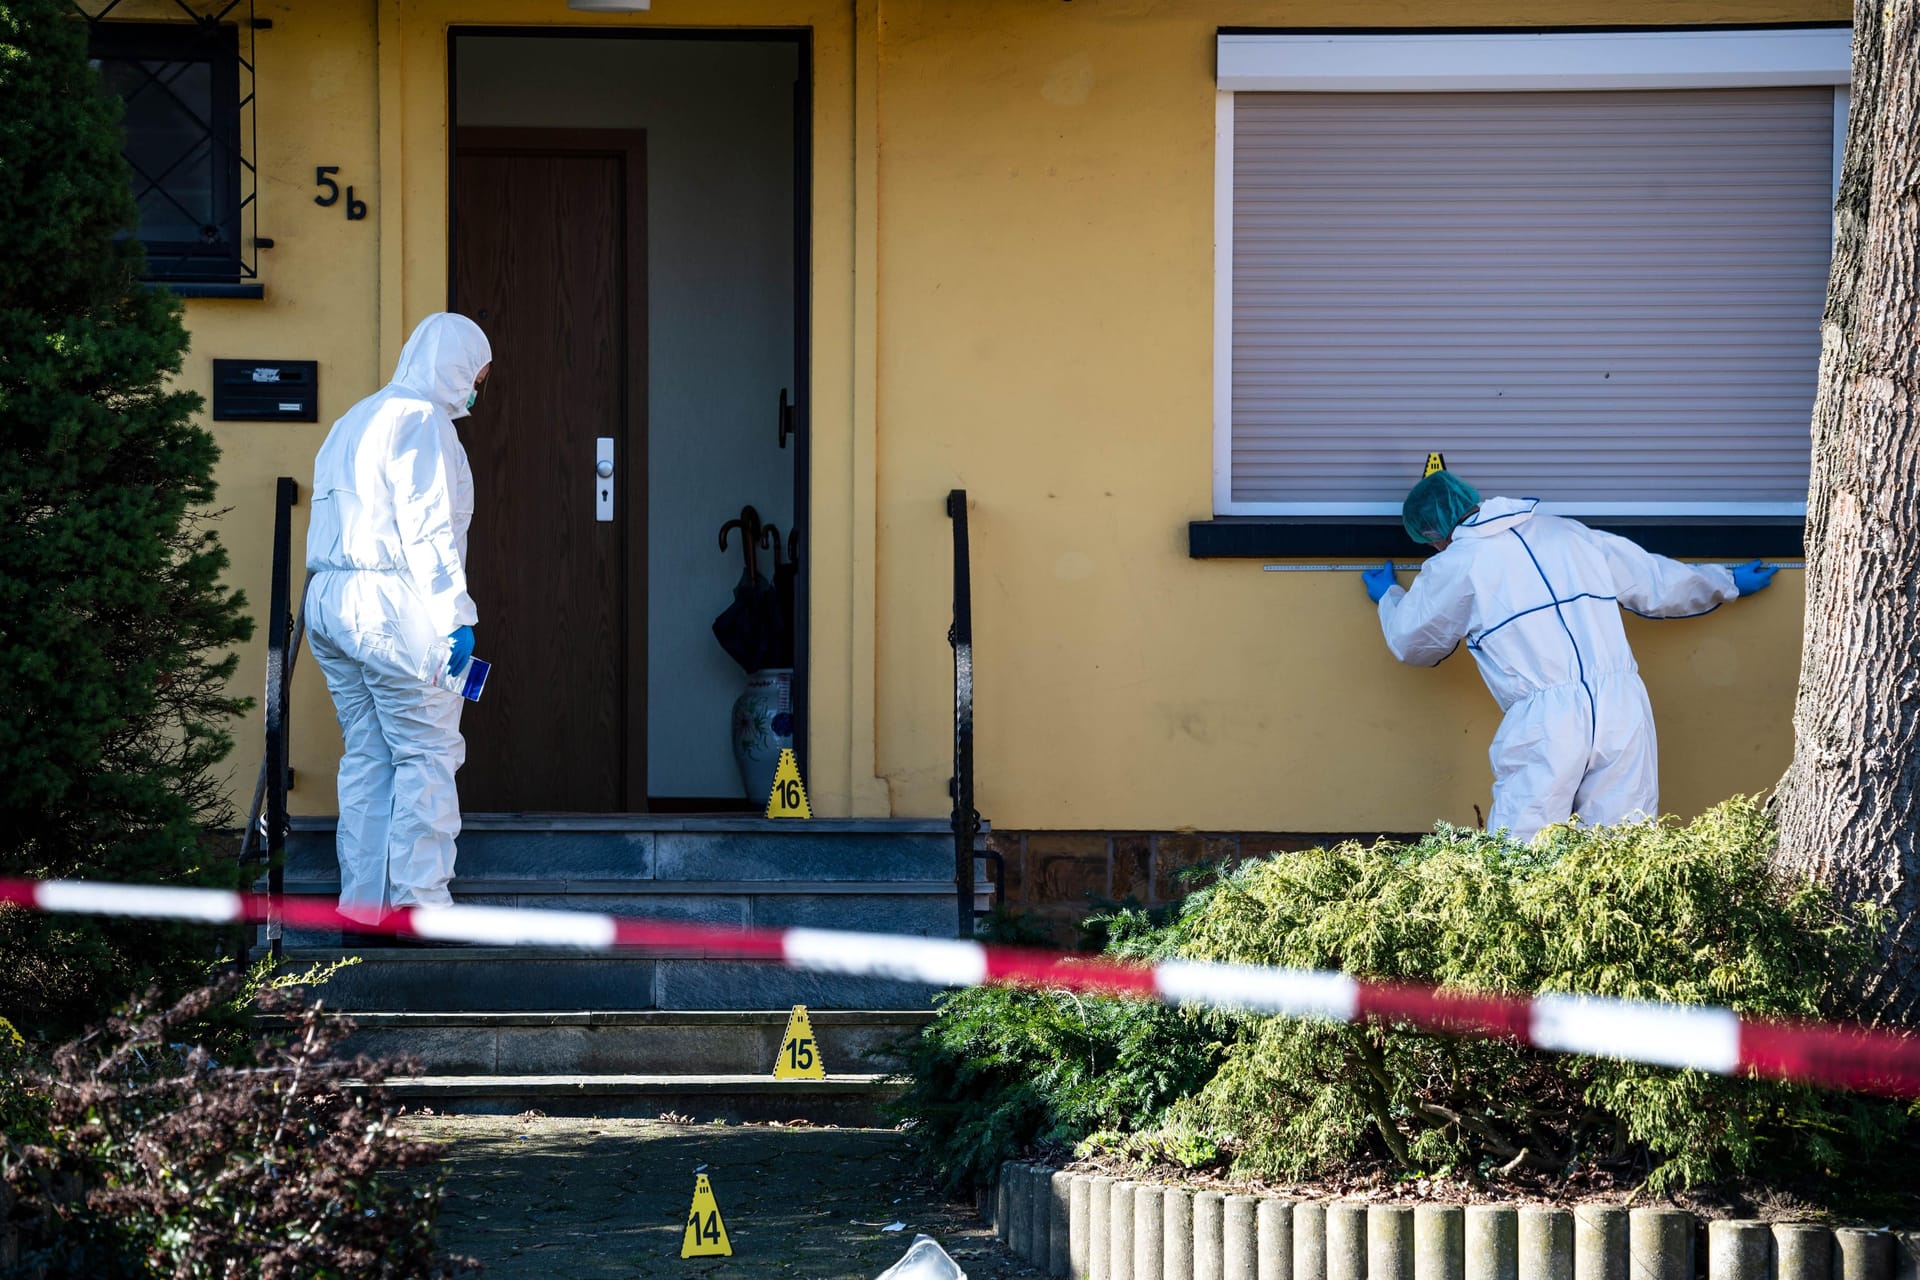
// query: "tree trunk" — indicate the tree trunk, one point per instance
point(1849, 806)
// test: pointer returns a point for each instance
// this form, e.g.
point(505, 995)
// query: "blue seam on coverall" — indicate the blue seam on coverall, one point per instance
point(1477, 521)
point(1584, 595)
point(1580, 663)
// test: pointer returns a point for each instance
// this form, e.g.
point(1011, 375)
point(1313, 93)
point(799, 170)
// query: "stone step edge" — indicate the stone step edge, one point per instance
point(1062, 1221)
point(648, 824)
point(302, 956)
point(595, 1086)
point(646, 887)
point(665, 1018)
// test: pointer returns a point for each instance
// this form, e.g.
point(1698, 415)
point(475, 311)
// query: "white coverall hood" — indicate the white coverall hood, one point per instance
point(442, 359)
point(1537, 599)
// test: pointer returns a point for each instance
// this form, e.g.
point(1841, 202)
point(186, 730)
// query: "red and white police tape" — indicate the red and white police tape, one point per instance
point(1700, 1037)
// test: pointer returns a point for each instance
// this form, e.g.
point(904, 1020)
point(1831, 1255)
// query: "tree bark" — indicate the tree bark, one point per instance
point(1849, 806)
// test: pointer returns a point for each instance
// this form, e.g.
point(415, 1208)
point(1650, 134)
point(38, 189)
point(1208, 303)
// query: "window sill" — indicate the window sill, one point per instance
point(1380, 537)
point(210, 289)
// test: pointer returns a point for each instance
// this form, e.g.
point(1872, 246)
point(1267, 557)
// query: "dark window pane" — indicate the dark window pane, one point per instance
point(179, 88)
point(169, 143)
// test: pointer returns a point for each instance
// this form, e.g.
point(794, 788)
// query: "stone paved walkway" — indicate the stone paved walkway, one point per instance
point(571, 1199)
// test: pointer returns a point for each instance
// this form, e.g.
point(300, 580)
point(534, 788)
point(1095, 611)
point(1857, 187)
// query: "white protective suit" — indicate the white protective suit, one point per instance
point(1537, 598)
point(392, 498)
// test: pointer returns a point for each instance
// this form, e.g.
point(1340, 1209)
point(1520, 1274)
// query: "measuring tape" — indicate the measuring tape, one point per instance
point(1368, 566)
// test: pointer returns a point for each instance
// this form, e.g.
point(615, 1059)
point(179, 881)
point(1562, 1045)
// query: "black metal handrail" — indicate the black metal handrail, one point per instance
point(966, 819)
point(266, 831)
point(279, 677)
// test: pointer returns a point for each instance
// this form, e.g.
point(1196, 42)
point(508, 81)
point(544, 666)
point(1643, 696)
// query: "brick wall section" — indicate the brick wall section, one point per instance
point(1060, 877)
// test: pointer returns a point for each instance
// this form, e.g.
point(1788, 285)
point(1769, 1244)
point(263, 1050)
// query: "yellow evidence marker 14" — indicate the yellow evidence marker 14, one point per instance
point(799, 1057)
point(788, 799)
point(706, 1235)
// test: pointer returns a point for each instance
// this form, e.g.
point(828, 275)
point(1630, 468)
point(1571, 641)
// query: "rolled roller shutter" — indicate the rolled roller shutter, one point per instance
point(1609, 300)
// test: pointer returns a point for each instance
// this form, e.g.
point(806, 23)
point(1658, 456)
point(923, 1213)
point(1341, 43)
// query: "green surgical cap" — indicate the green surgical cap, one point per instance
point(1436, 505)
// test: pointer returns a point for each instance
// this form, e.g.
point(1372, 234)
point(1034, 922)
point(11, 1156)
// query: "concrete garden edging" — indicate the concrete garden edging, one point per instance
point(1095, 1227)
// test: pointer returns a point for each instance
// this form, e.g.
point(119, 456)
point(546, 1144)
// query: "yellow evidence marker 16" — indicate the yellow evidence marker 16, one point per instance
point(706, 1235)
point(799, 1057)
point(788, 799)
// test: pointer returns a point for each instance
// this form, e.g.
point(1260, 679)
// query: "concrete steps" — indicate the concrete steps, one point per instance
point(695, 1033)
point(634, 1043)
point(548, 979)
point(704, 1065)
point(617, 849)
point(848, 1100)
point(887, 876)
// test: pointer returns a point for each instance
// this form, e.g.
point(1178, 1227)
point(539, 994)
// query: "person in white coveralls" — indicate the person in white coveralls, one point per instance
point(388, 612)
point(1537, 600)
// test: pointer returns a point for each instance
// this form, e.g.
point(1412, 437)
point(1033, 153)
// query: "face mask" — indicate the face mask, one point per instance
point(471, 397)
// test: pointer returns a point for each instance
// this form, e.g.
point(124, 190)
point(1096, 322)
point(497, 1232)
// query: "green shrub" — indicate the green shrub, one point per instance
point(1001, 1071)
point(114, 698)
point(1684, 913)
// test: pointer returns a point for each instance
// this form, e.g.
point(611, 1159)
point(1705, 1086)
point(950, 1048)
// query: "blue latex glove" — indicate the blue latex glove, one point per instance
point(1378, 581)
point(1753, 576)
point(462, 638)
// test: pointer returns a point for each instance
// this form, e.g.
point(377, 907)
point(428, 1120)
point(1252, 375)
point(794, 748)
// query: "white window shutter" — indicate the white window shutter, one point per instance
point(1607, 300)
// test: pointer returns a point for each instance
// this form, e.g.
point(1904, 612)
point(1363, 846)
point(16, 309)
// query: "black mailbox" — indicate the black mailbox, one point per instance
point(266, 391)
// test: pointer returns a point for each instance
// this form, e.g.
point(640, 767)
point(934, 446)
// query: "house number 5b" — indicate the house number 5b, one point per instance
point(322, 178)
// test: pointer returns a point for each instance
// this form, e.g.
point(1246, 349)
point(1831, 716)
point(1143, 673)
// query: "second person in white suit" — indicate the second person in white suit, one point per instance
point(388, 611)
point(1537, 599)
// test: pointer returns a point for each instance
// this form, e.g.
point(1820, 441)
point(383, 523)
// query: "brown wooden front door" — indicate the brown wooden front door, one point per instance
point(549, 258)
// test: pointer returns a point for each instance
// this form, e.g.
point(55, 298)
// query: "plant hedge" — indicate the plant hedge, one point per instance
point(1681, 912)
point(115, 629)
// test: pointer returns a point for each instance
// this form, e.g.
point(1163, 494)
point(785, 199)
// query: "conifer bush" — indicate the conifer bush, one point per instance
point(113, 620)
point(1002, 1070)
point(1653, 911)
point(1688, 913)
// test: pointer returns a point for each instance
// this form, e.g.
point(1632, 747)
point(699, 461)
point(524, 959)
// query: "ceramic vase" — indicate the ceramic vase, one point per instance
point(762, 728)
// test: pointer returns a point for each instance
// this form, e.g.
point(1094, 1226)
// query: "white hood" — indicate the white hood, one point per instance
point(1496, 515)
point(442, 359)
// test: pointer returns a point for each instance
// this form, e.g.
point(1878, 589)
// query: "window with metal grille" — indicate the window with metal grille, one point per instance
point(180, 84)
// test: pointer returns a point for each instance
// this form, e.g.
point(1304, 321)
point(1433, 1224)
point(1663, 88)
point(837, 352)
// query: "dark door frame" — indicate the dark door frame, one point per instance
point(630, 473)
point(802, 40)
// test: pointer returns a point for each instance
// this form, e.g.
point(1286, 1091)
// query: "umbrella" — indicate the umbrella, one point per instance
point(750, 629)
point(785, 573)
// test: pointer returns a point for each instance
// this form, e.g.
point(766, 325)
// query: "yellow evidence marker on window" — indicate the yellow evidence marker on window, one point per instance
point(799, 1053)
point(788, 799)
point(1435, 462)
point(706, 1235)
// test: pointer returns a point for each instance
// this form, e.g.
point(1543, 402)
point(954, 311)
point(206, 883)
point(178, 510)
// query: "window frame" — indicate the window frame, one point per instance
point(1797, 55)
point(180, 262)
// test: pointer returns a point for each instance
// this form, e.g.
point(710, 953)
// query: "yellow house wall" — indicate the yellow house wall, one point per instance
point(1046, 241)
point(317, 105)
point(1013, 275)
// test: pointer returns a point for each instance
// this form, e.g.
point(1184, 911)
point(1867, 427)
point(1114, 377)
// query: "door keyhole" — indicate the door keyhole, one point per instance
point(603, 469)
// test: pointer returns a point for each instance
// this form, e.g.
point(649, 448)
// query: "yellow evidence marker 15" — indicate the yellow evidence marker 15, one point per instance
point(706, 1235)
point(1435, 462)
point(788, 799)
point(799, 1057)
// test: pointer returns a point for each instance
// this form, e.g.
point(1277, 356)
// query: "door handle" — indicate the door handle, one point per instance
point(786, 418)
point(603, 479)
